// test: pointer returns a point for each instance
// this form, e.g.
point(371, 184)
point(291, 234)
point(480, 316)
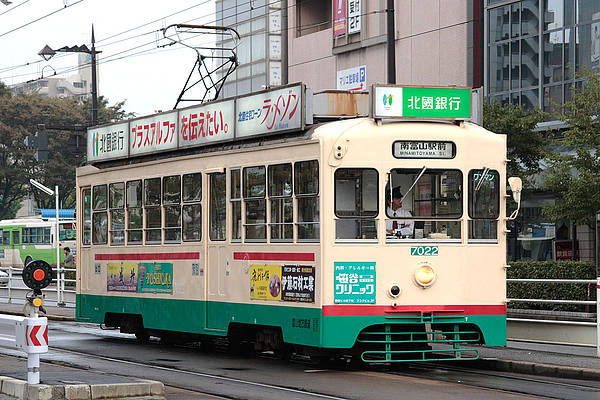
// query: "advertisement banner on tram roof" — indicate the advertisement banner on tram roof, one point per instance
point(154, 133)
point(106, 142)
point(207, 124)
point(269, 112)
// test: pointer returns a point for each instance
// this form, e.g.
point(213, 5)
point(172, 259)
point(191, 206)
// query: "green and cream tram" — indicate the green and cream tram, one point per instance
point(249, 218)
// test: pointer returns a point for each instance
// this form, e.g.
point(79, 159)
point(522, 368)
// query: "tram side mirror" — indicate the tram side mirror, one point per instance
point(516, 185)
point(37, 275)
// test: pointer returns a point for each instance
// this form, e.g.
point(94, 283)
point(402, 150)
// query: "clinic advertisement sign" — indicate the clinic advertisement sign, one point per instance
point(106, 142)
point(352, 78)
point(154, 133)
point(270, 112)
point(207, 124)
point(421, 102)
point(354, 282)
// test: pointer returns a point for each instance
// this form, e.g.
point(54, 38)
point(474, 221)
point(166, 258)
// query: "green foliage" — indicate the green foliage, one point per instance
point(552, 291)
point(525, 145)
point(573, 172)
point(19, 117)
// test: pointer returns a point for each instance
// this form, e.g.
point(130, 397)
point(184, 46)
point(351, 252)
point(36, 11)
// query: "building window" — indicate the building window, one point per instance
point(312, 16)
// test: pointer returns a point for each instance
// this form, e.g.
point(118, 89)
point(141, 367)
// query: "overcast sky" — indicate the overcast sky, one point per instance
point(147, 82)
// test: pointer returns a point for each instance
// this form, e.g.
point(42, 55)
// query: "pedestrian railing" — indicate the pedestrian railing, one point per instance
point(61, 293)
point(562, 301)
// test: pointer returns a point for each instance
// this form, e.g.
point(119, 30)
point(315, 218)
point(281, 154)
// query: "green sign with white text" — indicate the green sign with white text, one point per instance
point(421, 102)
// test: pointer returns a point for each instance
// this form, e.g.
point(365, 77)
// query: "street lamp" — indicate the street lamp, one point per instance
point(47, 53)
point(59, 281)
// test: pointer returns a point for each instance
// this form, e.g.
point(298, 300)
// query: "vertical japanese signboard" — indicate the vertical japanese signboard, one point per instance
point(354, 11)
point(422, 102)
point(298, 283)
point(269, 112)
point(153, 133)
point(339, 17)
point(106, 142)
point(354, 282)
point(206, 124)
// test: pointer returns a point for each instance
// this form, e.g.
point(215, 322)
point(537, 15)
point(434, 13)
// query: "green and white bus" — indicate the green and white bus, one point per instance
point(33, 238)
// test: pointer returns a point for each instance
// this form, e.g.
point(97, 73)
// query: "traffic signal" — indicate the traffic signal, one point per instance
point(39, 142)
point(37, 275)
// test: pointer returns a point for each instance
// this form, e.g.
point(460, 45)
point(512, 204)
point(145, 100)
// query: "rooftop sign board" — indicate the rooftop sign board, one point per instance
point(207, 124)
point(421, 102)
point(106, 142)
point(270, 112)
point(154, 133)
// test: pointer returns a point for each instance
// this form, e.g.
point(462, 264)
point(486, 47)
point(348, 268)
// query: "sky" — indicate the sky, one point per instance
point(147, 82)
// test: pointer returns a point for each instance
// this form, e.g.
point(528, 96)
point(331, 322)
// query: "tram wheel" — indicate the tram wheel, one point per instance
point(142, 335)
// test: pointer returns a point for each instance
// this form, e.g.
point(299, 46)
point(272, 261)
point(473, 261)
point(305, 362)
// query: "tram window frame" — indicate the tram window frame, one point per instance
point(152, 211)
point(235, 198)
point(255, 203)
point(281, 204)
point(365, 224)
point(100, 214)
point(172, 209)
point(117, 213)
point(134, 212)
point(191, 205)
point(305, 197)
point(217, 220)
point(491, 220)
point(86, 216)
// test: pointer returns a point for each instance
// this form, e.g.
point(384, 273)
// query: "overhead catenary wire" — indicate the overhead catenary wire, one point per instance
point(40, 18)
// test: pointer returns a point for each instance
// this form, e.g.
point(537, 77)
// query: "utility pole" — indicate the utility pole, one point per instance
point(391, 43)
point(94, 88)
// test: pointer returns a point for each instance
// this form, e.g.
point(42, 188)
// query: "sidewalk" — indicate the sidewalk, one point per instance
point(576, 362)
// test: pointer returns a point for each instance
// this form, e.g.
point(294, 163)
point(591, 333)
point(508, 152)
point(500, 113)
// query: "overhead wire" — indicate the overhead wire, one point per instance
point(14, 7)
point(40, 18)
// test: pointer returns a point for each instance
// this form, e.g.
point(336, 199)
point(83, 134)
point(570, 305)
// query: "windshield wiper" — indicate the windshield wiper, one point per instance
point(415, 182)
point(486, 170)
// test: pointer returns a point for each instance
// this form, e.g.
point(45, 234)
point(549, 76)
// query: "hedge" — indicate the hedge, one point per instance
point(553, 291)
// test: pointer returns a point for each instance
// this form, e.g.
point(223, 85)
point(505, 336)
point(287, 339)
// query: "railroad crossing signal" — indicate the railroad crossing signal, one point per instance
point(37, 275)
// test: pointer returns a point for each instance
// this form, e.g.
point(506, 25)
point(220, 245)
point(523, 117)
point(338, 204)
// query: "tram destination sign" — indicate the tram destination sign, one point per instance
point(421, 102)
point(423, 149)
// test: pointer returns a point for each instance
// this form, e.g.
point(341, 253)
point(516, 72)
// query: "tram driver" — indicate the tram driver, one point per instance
point(402, 229)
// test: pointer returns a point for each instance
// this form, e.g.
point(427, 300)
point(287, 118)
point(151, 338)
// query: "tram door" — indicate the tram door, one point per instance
point(216, 260)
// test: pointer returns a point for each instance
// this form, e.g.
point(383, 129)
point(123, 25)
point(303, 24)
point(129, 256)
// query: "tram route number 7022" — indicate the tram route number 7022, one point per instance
point(424, 251)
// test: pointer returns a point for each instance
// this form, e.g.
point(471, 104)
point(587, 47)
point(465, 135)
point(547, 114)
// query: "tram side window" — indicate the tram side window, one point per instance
point(134, 212)
point(424, 204)
point(218, 206)
point(152, 210)
point(236, 204)
point(255, 203)
point(484, 203)
point(356, 203)
point(87, 216)
point(282, 205)
point(116, 203)
point(100, 216)
point(172, 206)
point(306, 188)
point(192, 208)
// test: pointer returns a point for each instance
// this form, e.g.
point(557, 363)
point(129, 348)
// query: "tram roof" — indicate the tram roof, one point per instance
point(284, 114)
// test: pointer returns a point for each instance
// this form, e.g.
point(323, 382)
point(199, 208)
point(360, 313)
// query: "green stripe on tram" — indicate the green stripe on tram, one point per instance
point(300, 325)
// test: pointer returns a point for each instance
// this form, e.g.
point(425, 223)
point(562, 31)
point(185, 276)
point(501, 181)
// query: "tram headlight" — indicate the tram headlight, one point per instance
point(425, 276)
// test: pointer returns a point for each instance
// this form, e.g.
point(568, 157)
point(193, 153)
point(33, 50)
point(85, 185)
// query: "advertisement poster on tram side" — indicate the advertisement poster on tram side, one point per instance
point(298, 283)
point(265, 282)
point(354, 282)
point(206, 124)
point(154, 133)
point(156, 278)
point(122, 277)
point(269, 112)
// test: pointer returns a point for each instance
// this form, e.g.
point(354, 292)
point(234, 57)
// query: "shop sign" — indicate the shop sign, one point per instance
point(563, 249)
point(354, 282)
point(354, 11)
point(352, 78)
point(298, 283)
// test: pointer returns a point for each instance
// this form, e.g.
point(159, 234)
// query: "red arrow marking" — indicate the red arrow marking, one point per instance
point(33, 337)
point(46, 334)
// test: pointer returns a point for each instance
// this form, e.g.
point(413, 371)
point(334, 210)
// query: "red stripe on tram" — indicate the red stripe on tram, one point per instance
point(148, 256)
point(459, 309)
point(242, 255)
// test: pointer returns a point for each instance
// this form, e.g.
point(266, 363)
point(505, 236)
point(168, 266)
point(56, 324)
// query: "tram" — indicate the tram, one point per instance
point(274, 219)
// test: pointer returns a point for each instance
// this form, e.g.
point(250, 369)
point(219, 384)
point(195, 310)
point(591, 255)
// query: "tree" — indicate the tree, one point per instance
point(525, 144)
point(573, 172)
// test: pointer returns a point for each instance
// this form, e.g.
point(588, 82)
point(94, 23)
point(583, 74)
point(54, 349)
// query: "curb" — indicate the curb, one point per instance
point(144, 389)
point(524, 367)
